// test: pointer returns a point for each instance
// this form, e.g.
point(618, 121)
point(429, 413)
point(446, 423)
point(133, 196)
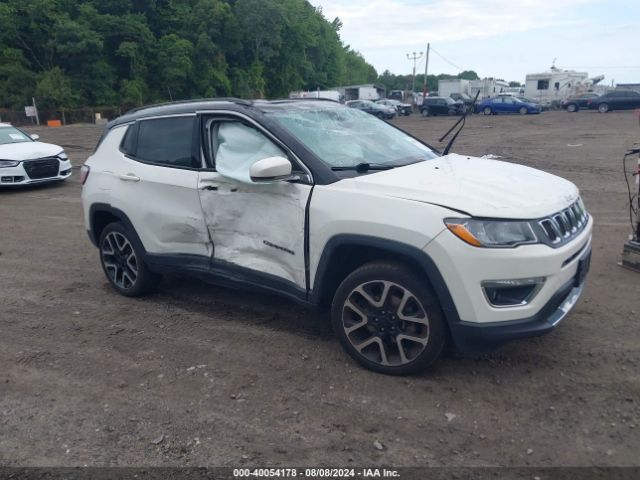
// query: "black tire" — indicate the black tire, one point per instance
point(603, 107)
point(523, 110)
point(487, 111)
point(406, 332)
point(425, 112)
point(572, 108)
point(125, 268)
point(380, 115)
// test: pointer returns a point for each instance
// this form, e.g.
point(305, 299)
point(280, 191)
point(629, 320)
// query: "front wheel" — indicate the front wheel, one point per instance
point(388, 319)
point(572, 107)
point(603, 108)
point(380, 115)
point(122, 262)
point(487, 111)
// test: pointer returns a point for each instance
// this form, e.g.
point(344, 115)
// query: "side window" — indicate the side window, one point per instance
point(167, 141)
point(237, 146)
point(543, 84)
point(128, 144)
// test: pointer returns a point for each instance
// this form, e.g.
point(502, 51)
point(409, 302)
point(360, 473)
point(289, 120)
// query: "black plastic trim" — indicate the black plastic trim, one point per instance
point(420, 258)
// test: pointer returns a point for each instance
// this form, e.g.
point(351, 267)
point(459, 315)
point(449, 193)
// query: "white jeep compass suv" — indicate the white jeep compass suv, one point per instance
point(334, 208)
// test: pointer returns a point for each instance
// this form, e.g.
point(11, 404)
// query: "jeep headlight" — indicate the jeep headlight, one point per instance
point(8, 163)
point(491, 233)
point(63, 156)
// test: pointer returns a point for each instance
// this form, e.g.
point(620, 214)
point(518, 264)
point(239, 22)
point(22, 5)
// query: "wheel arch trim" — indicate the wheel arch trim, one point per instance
point(97, 208)
point(422, 260)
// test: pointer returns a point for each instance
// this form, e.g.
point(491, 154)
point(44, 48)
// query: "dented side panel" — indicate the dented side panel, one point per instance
point(257, 226)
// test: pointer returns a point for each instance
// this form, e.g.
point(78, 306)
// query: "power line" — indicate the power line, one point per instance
point(446, 60)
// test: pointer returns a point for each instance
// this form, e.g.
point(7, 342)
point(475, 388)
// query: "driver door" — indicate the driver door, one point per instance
point(258, 227)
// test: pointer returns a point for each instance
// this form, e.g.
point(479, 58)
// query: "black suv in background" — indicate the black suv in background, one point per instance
point(618, 100)
point(441, 106)
point(575, 103)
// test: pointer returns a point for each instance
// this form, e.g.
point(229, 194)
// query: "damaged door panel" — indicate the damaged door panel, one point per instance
point(259, 226)
point(159, 167)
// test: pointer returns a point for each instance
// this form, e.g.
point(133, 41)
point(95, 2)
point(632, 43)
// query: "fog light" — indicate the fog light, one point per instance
point(511, 293)
point(6, 179)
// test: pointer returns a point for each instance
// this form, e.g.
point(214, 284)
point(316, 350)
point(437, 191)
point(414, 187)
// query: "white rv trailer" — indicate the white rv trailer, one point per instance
point(555, 85)
point(329, 94)
point(488, 87)
point(452, 85)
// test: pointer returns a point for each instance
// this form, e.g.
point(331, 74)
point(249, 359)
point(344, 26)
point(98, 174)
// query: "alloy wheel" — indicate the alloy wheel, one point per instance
point(120, 261)
point(385, 322)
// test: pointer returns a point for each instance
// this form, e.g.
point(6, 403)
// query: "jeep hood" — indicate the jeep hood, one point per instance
point(28, 150)
point(477, 186)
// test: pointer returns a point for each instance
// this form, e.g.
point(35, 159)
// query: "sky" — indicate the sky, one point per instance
point(497, 38)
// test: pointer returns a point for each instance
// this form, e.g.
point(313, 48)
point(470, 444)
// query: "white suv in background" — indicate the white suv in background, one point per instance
point(332, 207)
point(24, 160)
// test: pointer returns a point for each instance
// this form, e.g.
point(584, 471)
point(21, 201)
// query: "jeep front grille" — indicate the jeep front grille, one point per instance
point(563, 226)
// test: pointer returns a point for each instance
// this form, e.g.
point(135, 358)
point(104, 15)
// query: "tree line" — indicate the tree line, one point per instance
point(76, 53)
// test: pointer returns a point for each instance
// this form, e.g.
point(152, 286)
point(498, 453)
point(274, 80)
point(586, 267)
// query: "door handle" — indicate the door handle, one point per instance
point(129, 177)
point(209, 187)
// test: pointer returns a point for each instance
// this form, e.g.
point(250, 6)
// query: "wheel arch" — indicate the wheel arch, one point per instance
point(101, 215)
point(344, 253)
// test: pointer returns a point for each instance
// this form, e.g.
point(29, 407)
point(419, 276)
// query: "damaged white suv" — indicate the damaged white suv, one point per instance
point(334, 208)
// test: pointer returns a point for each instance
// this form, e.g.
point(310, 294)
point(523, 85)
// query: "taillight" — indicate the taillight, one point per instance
point(84, 173)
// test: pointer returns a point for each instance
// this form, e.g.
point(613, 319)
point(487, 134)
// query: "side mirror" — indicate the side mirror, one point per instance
point(35, 136)
point(270, 169)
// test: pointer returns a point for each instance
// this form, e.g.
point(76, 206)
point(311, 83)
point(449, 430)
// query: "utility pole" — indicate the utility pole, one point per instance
point(415, 57)
point(426, 72)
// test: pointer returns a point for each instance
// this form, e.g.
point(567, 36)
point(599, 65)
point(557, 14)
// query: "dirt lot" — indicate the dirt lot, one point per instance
point(200, 375)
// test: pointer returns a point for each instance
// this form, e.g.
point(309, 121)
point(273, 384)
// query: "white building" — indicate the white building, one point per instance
point(555, 85)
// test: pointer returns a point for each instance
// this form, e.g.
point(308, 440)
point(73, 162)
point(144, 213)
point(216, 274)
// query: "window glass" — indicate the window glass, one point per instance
point(128, 142)
point(543, 84)
point(237, 146)
point(343, 137)
point(12, 135)
point(167, 141)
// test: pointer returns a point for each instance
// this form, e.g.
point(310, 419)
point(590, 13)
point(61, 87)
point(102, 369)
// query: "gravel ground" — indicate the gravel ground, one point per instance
point(201, 375)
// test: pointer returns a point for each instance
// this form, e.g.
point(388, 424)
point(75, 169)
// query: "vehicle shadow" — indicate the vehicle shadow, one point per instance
point(245, 306)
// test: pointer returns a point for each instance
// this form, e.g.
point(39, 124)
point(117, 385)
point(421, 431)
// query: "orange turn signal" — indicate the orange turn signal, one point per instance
point(462, 233)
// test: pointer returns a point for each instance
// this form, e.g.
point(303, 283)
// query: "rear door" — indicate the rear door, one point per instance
point(156, 185)
point(257, 227)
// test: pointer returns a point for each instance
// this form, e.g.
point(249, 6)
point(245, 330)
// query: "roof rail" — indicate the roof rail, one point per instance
point(319, 99)
point(239, 101)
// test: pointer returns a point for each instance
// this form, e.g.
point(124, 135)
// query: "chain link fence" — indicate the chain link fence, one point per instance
point(66, 117)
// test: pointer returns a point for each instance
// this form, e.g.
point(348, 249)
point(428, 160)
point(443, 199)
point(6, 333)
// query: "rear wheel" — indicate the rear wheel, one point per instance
point(380, 115)
point(487, 111)
point(425, 112)
point(572, 107)
point(388, 319)
point(122, 262)
point(603, 108)
point(523, 110)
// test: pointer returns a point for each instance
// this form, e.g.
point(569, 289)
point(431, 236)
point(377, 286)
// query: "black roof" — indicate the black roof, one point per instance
point(230, 103)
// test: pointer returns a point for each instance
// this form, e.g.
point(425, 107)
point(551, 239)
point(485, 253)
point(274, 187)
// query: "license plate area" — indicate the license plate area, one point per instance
point(583, 269)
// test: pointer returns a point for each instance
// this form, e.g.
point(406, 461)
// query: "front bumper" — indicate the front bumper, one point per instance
point(18, 176)
point(476, 339)
point(476, 325)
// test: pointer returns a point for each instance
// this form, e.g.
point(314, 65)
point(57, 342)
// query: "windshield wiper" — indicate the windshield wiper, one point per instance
point(462, 120)
point(364, 167)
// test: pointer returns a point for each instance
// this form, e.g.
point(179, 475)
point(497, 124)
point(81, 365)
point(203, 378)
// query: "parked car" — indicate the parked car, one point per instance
point(506, 104)
point(543, 106)
point(462, 97)
point(380, 111)
point(575, 103)
point(330, 207)
point(432, 106)
point(616, 100)
point(401, 108)
point(24, 160)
